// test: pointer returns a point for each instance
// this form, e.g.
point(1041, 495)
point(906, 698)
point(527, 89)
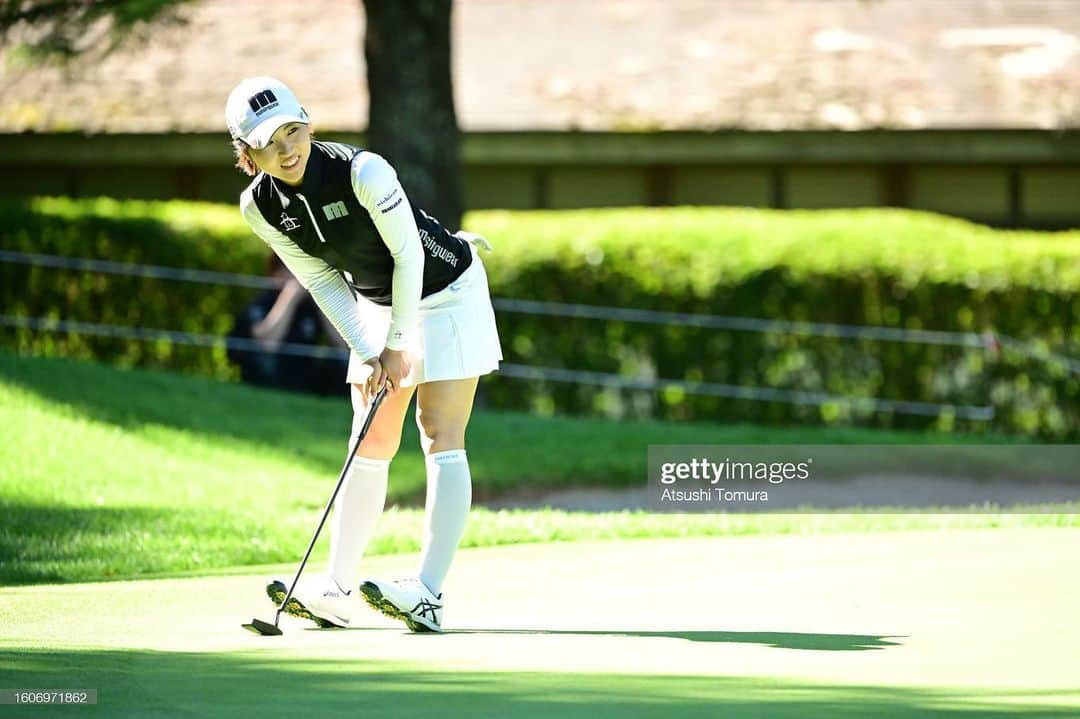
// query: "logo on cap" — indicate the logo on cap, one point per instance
point(262, 101)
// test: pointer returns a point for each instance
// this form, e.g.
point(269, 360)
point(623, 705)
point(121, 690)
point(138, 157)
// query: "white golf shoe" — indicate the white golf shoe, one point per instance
point(406, 599)
point(319, 599)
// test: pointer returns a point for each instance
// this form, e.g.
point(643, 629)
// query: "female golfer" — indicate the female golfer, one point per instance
point(410, 299)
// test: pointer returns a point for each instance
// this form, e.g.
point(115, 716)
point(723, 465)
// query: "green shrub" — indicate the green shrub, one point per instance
point(175, 234)
point(863, 267)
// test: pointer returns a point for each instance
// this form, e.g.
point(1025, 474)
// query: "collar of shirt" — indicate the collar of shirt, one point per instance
point(315, 170)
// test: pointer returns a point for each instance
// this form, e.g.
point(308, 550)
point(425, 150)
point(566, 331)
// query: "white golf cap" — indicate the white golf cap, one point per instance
point(258, 106)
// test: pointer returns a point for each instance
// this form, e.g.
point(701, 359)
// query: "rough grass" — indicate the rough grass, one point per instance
point(108, 473)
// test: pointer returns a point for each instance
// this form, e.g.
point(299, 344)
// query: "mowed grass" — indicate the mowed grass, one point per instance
point(914, 624)
point(148, 683)
point(108, 473)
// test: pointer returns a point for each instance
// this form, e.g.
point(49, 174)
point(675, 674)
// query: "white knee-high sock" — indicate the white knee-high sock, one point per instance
point(449, 496)
point(358, 506)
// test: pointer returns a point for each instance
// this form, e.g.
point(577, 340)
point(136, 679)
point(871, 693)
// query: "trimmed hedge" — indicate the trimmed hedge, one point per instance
point(881, 267)
point(863, 267)
point(175, 234)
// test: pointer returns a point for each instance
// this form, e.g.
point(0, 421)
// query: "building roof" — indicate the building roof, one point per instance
point(598, 65)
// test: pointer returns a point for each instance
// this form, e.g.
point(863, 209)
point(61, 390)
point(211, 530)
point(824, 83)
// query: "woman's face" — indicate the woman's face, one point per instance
point(287, 154)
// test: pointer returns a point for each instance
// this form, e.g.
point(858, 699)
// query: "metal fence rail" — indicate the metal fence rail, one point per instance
point(143, 334)
point(131, 269)
point(760, 394)
point(517, 371)
point(746, 324)
point(986, 341)
point(536, 307)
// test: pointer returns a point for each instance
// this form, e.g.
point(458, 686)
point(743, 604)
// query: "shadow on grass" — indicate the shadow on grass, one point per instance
point(311, 428)
point(779, 640)
point(282, 684)
point(46, 543)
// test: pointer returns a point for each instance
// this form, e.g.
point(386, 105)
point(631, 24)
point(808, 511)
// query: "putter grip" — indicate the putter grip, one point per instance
point(370, 415)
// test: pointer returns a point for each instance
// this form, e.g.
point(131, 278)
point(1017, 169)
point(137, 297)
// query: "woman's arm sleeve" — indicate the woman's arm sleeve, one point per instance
point(376, 186)
point(327, 287)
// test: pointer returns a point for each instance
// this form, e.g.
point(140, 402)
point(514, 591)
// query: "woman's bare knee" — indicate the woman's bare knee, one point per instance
point(442, 413)
point(379, 445)
point(383, 437)
point(440, 432)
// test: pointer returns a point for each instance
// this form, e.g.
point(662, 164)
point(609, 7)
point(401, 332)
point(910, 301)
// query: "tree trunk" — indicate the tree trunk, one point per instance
point(411, 121)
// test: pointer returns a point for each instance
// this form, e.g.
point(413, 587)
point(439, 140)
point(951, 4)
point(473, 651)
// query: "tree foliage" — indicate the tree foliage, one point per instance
point(62, 29)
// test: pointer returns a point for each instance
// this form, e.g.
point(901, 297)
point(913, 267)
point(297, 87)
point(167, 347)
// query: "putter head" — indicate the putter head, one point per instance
point(266, 629)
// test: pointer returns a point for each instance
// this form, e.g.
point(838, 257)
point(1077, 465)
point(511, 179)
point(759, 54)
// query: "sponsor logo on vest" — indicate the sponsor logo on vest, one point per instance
point(436, 251)
point(288, 223)
point(335, 210)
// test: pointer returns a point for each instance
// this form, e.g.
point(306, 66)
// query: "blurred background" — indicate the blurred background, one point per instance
point(778, 212)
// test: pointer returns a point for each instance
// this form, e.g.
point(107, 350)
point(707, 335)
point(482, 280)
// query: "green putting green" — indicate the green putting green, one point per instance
point(899, 624)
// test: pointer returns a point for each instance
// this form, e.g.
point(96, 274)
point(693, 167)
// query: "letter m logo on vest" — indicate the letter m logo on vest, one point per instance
point(335, 210)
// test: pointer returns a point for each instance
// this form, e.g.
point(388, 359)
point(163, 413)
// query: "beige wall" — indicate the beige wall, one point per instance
point(720, 186)
point(979, 193)
point(1050, 194)
point(513, 188)
point(574, 187)
point(819, 187)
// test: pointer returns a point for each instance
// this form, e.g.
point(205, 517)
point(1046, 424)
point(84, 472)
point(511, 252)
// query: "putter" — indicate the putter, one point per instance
point(267, 629)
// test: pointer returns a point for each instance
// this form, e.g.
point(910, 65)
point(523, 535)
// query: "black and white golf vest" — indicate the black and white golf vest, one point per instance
point(324, 219)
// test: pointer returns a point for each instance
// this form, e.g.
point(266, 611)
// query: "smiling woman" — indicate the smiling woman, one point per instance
point(284, 157)
point(411, 300)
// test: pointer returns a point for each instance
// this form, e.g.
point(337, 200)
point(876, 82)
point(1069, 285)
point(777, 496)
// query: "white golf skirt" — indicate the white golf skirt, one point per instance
point(455, 336)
